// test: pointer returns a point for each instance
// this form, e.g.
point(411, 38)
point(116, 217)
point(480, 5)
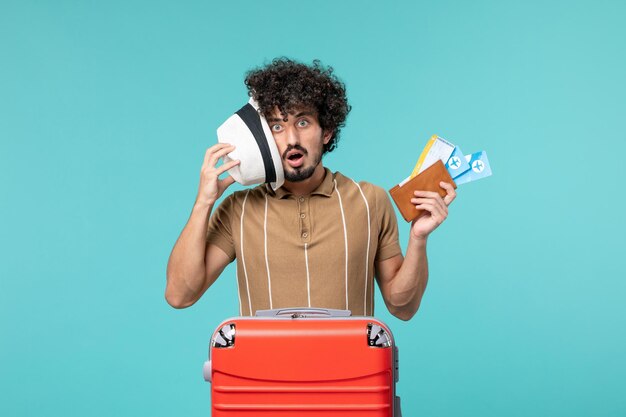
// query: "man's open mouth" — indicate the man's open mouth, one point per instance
point(295, 158)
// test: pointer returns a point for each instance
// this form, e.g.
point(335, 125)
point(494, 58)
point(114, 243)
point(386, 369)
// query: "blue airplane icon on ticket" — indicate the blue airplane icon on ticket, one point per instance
point(457, 164)
point(479, 168)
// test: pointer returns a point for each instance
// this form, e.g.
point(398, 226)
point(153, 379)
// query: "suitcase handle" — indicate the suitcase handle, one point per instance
point(303, 312)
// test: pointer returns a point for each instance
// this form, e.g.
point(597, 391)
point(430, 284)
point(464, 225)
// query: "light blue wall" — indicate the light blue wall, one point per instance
point(106, 109)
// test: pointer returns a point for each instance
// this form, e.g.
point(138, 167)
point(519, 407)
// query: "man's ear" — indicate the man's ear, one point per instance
point(327, 136)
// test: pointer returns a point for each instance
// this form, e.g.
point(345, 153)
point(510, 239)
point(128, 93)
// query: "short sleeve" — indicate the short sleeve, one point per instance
point(388, 244)
point(220, 232)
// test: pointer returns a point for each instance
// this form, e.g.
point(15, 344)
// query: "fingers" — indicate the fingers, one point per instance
point(431, 202)
point(429, 194)
point(215, 157)
point(225, 167)
point(211, 150)
point(450, 192)
point(226, 182)
point(436, 212)
point(446, 200)
point(215, 152)
point(435, 197)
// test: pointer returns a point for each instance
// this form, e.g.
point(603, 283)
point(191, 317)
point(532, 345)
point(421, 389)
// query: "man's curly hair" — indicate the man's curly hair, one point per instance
point(291, 86)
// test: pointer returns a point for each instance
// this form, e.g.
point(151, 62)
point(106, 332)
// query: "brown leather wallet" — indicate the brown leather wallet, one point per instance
point(427, 180)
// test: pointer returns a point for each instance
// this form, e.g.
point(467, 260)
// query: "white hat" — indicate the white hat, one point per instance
point(255, 147)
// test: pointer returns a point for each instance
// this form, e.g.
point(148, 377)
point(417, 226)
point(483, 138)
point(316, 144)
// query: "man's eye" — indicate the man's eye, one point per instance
point(277, 128)
point(303, 123)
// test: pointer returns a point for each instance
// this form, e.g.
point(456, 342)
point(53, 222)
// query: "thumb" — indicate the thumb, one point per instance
point(227, 182)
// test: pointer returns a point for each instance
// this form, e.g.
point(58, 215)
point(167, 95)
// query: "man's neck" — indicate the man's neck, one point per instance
point(309, 185)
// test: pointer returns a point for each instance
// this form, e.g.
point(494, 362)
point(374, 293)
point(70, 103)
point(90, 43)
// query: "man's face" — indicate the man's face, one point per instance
point(300, 141)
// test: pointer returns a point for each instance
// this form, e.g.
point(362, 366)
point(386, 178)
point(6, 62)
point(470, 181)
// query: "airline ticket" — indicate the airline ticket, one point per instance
point(436, 148)
point(480, 168)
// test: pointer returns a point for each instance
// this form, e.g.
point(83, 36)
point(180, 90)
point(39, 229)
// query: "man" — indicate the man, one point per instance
point(320, 239)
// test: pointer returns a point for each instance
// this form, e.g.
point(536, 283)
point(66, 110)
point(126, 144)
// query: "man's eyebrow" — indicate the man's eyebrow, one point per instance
point(302, 113)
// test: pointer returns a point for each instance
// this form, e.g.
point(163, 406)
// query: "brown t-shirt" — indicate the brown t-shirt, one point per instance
point(316, 250)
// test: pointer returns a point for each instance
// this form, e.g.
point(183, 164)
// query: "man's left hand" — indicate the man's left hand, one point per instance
point(435, 210)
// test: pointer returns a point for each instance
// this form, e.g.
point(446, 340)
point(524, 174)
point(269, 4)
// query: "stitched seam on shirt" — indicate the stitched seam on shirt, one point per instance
point(243, 261)
point(345, 238)
point(367, 254)
point(267, 263)
point(308, 282)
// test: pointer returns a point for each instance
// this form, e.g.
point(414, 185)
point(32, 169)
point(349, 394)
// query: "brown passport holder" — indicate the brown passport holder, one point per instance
point(427, 180)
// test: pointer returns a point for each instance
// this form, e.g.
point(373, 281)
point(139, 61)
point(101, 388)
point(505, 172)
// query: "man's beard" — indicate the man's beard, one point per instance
point(301, 173)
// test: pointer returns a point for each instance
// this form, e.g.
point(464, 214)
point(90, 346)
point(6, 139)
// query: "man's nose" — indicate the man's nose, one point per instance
point(293, 137)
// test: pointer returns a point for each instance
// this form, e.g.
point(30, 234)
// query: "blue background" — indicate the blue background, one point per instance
point(106, 109)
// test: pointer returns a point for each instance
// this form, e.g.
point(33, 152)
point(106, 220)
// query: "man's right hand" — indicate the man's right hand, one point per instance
point(194, 265)
point(211, 187)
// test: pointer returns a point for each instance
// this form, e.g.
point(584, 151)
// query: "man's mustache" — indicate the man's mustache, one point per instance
point(297, 148)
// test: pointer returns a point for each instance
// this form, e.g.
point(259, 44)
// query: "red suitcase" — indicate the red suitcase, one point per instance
point(305, 363)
